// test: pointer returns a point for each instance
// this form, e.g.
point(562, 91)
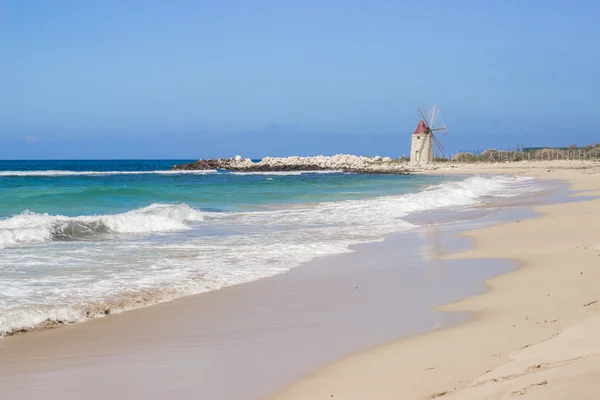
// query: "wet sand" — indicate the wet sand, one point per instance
point(250, 341)
point(535, 333)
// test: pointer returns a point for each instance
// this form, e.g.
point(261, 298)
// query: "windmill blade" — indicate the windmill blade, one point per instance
point(441, 129)
point(431, 110)
point(425, 116)
point(438, 144)
point(424, 119)
point(438, 150)
point(436, 140)
point(442, 124)
point(434, 115)
point(422, 114)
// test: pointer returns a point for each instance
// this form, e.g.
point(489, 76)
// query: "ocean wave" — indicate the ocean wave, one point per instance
point(29, 227)
point(55, 173)
point(467, 192)
point(92, 279)
point(286, 172)
point(376, 217)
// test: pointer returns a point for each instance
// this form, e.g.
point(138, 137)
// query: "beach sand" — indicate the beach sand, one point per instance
point(535, 334)
point(249, 341)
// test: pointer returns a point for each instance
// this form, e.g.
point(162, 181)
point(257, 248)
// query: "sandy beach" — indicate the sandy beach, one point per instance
point(310, 200)
point(534, 334)
point(261, 335)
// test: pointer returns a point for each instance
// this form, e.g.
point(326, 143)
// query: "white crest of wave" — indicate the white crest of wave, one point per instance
point(29, 227)
point(283, 173)
point(276, 241)
point(467, 192)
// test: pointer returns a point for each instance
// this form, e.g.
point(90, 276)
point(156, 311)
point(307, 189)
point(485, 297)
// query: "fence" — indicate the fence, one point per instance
point(493, 155)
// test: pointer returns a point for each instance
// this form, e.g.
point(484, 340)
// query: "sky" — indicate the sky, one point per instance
point(187, 79)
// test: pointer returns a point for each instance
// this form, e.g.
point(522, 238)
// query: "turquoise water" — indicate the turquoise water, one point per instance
point(79, 239)
point(57, 187)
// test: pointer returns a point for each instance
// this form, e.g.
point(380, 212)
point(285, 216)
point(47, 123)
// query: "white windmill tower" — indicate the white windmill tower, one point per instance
point(423, 138)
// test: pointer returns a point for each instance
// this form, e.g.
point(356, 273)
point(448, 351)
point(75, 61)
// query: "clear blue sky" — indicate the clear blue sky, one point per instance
point(190, 79)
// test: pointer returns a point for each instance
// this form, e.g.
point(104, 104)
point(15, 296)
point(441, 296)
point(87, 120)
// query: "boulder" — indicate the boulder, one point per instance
point(338, 162)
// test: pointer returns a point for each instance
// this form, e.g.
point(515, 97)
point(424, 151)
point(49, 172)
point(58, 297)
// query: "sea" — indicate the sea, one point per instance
point(83, 239)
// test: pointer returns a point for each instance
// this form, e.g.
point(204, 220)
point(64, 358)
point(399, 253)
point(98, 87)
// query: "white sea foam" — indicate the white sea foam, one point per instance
point(285, 172)
point(55, 173)
point(79, 278)
point(29, 227)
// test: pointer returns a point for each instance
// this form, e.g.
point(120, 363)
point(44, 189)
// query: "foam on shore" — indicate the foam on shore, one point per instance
point(160, 254)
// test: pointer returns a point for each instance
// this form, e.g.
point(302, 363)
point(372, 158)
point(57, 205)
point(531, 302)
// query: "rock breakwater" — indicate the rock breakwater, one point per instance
point(340, 162)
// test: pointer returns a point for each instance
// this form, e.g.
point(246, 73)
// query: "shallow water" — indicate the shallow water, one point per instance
point(79, 239)
point(261, 335)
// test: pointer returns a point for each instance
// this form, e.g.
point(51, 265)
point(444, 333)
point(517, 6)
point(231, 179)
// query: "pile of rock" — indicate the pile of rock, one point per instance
point(213, 164)
point(339, 162)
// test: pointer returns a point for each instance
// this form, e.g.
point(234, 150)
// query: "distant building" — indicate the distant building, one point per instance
point(423, 138)
point(421, 147)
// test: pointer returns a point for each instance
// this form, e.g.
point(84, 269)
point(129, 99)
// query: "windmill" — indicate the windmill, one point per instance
point(424, 136)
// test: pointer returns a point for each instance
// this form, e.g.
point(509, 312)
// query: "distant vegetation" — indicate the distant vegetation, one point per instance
point(573, 152)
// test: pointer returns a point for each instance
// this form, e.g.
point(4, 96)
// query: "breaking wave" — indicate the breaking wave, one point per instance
point(283, 173)
point(90, 279)
point(29, 227)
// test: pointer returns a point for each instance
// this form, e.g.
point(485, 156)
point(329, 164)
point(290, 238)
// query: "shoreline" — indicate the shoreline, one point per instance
point(100, 308)
point(134, 337)
point(80, 336)
point(510, 346)
point(241, 326)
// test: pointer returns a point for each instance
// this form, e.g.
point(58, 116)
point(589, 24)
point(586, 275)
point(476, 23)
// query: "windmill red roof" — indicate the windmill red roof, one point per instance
point(422, 128)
